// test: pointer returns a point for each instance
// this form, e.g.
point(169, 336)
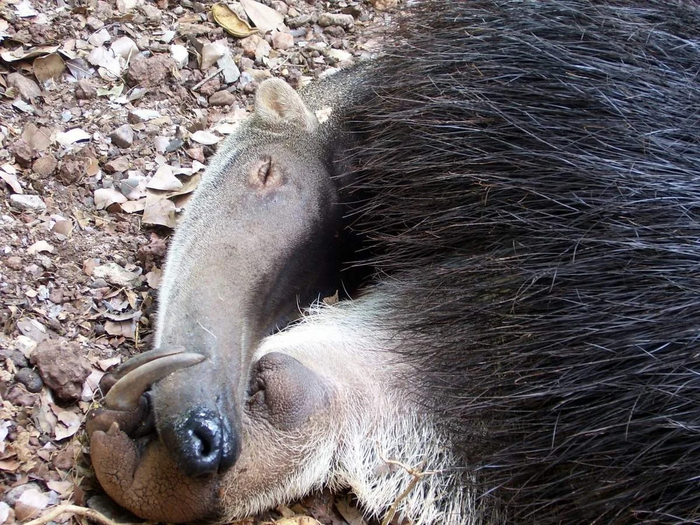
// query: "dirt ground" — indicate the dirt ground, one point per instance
point(109, 112)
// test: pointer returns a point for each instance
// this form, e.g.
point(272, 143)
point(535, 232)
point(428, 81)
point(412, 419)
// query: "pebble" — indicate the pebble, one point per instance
point(14, 494)
point(282, 41)
point(30, 379)
point(222, 98)
point(45, 166)
point(383, 5)
point(62, 367)
point(14, 262)
point(123, 136)
point(27, 88)
point(118, 164)
point(180, 55)
point(27, 202)
point(298, 21)
point(336, 19)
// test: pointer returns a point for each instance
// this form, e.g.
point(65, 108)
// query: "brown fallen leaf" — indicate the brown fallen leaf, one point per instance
point(48, 67)
point(30, 504)
point(231, 22)
point(265, 18)
point(298, 520)
point(10, 179)
point(159, 211)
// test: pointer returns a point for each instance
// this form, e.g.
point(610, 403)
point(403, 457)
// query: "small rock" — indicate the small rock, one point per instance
point(383, 5)
point(222, 98)
point(335, 31)
point(116, 275)
point(85, 90)
point(26, 87)
point(210, 87)
point(72, 169)
point(282, 41)
point(26, 345)
point(99, 38)
point(149, 72)
point(180, 55)
point(119, 164)
point(196, 154)
point(94, 24)
point(18, 359)
point(22, 152)
point(19, 396)
point(298, 21)
point(249, 45)
point(14, 262)
point(153, 14)
point(125, 47)
point(30, 379)
point(123, 136)
point(62, 367)
point(65, 459)
point(45, 166)
point(280, 7)
point(136, 116)
point(336, 19)
point(340, 55)
point(14, 494)
point(27, 202)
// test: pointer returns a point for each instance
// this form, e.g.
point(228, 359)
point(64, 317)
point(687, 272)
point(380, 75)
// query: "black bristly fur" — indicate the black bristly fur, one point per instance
point(530, 182)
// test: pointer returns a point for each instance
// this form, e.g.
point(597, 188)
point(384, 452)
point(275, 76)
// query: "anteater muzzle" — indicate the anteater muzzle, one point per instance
point(257, 244)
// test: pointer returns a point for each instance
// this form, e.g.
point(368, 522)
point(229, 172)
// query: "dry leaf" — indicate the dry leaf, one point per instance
point(30, 504)
point(116, 275)
point(164, 180)
point(38, 138)
point(125, 47)
point(230, 21)
point(21, 54)
point(153, 278)
point(62, 226)
point(159, 211)
point(64, 488)
point(105, 58)
point(205, 137)
point(122, 329)
point(105, 197)
point(70, 424)
point(298, 520)
point(25, 9)
point(265, 18)
point(9, 465)
point(133, 206)
point(210, 54)
point(49, 67)
point(66, 138)
point(79, 68)
point(4, 512)
point(11, 181)
point(40, 246)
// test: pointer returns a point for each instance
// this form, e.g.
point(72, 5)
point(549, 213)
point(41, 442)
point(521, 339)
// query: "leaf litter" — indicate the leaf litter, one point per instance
point(84, 224)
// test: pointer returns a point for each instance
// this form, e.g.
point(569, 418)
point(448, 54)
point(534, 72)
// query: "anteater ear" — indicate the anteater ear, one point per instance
point(276, 103)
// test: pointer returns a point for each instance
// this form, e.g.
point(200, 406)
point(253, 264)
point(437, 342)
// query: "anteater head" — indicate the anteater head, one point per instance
point(256, 244)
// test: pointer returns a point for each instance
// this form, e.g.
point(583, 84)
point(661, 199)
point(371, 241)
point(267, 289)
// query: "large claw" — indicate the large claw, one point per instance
point(140, 372)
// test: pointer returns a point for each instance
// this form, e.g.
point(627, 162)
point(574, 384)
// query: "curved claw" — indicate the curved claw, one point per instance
point(146, 357)
point(126, 392)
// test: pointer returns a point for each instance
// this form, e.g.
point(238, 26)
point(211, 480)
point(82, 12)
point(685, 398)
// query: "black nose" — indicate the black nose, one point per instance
point(203, 442)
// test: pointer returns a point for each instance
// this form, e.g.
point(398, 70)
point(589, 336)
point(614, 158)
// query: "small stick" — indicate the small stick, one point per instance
point(75, 510)
point(207, 79)
point(417, 476)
